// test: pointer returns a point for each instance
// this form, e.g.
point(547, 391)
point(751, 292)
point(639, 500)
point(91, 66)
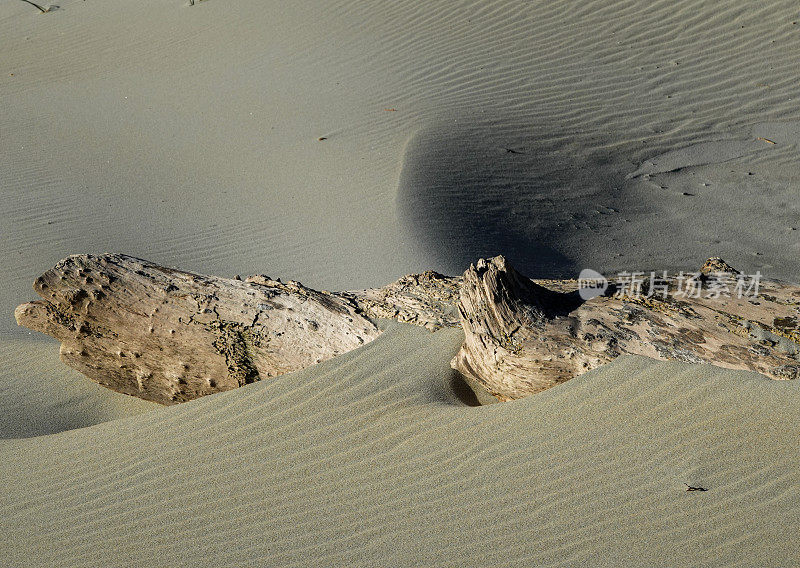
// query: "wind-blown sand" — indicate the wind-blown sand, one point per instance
point(187, 135)
point(564, 135)
point(368, 460)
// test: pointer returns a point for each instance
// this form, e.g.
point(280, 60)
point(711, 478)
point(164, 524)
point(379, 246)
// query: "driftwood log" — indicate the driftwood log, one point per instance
point(170, 336)
point(524, 336)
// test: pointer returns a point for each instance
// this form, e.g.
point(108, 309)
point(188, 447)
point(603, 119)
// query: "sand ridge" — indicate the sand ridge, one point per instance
point(368, 460)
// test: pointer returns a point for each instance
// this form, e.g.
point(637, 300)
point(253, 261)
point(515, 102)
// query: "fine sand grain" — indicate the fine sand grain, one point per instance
point(40, 395)
point(369, 460)
point(188, 135)
point(346, 143)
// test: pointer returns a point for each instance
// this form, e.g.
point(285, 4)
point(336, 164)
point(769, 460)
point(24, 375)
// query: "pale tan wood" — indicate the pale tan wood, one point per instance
point(169, 336)
point(524, 336)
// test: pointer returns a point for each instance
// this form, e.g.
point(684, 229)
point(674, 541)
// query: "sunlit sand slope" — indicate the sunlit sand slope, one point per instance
point(370, 460)
point(188, 135)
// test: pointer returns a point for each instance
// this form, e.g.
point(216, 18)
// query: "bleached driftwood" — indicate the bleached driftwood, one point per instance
point(524, 336)
point(428, 299)
point(170, 336)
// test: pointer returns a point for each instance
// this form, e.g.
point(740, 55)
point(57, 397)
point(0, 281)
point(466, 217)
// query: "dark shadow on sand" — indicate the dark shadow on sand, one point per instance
point(468, 392)
point(471, 192)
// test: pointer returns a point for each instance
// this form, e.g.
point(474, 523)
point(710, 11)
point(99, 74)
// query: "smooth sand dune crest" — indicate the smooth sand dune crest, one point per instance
point(368, 459)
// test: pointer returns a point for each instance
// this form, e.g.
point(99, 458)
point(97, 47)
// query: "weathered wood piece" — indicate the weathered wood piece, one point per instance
point(524, 336)
point(170, 336)
point(428, 299)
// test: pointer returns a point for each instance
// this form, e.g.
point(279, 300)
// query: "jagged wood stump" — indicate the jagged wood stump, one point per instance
point(170, 336)
point(524, 336)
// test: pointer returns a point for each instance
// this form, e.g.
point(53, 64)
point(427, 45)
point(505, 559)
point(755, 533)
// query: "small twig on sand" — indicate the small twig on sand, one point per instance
point(41, 10)
point(767, 140)
point(698, 488)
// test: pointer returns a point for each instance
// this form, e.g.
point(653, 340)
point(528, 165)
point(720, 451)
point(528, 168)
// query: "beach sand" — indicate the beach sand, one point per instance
point(369, 460)
point(345, 144)
point(40, 395)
